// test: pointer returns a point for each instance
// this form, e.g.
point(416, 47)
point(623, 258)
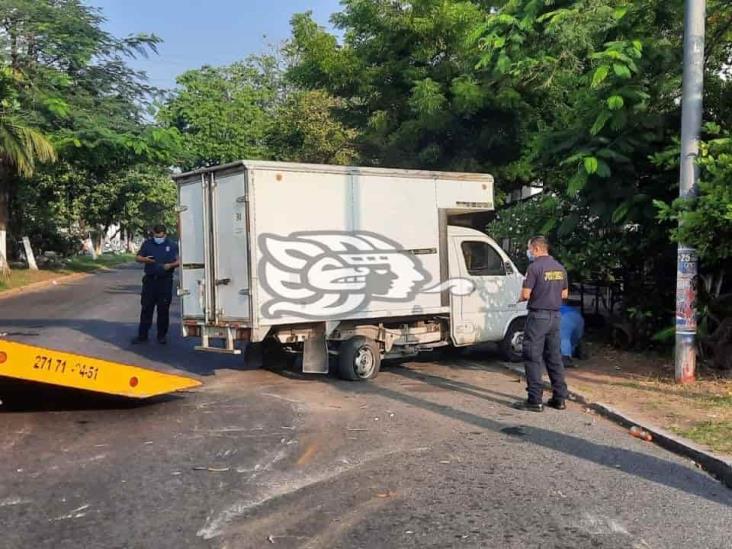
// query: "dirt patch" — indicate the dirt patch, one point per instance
point(643, 386)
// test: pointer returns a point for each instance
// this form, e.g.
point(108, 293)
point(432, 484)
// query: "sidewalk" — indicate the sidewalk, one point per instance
point(642, 385)
point(635, 389)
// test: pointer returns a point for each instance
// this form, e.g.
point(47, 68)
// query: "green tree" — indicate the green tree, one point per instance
point(304, 129)
point(75, 86)
point(223, 113)
point(406, 75)
point(600, 82)
point(21, 147)
point(705, 223)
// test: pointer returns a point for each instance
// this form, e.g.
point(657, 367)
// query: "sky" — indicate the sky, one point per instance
point(205, 32)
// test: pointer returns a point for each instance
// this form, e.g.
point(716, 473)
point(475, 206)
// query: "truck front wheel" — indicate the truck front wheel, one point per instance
point(513, 343)
point(359, 358)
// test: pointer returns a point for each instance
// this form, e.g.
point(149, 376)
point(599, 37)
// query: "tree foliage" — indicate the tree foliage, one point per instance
point(223, 112)
point(305, 130)
point(581, 97)
point(72, 95)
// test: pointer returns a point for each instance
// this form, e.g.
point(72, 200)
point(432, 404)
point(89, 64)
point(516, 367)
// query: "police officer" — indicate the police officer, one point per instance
point(160, 256)
point(544, 288)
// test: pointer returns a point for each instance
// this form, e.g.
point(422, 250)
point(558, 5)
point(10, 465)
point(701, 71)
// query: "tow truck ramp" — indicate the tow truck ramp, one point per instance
point(63, 369)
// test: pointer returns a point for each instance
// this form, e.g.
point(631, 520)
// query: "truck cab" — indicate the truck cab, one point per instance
point(487, 313)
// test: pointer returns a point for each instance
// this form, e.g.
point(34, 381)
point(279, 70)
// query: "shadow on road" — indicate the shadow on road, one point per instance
point(179, 353)
point(654, 469)
point(25, 396)
point(76, 307)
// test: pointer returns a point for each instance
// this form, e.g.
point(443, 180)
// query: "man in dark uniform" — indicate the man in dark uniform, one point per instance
point(160, 256)
point(545, 287)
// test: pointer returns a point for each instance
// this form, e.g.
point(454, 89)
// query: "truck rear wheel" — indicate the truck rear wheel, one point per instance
point(513, 343)
point(359, 358)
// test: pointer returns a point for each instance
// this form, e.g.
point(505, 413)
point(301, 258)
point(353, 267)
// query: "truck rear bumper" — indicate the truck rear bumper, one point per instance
point(229, 334)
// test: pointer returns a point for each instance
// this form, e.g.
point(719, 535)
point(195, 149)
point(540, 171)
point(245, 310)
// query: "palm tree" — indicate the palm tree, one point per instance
point(21, 147)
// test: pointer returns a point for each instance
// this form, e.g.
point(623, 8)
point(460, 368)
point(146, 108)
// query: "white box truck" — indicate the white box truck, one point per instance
point(344, 265)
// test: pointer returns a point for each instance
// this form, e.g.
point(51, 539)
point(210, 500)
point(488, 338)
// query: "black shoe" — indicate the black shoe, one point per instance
point(162, 340)
point(568, 362)
point(528, 406)
point(137, 340)
point(557, 403)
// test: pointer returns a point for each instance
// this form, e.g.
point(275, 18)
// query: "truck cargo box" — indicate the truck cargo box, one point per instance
point(249, 229)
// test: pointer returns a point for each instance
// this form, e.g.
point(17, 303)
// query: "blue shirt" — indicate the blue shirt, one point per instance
point(167, 252)
point(571, 329)
point(546, 278)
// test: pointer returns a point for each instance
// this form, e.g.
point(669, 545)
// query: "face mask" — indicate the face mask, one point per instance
point(159, 239)
point(530, 255)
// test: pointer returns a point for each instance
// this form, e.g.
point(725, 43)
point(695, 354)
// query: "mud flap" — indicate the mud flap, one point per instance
point(315, 351)
point(253, 355)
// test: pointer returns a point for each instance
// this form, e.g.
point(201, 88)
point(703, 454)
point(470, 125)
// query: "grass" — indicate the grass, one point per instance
point(82, 264)
point(699, 392)
point(715, 434)
point(643, 386)
point(85, 264)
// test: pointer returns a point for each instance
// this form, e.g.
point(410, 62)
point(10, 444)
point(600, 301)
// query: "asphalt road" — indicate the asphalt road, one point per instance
point(427, 455)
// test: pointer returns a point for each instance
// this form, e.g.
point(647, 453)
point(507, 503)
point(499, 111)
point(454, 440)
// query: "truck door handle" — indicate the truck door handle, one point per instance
point(223, 281)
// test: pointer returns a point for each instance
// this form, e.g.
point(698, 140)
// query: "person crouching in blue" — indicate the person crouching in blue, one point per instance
point(571, 329)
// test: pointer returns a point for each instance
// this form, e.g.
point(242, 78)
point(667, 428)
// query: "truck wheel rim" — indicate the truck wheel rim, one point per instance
point(364, 362)
point(517, 342)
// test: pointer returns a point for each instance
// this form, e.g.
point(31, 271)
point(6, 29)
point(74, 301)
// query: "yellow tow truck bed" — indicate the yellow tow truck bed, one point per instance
point(31, 363)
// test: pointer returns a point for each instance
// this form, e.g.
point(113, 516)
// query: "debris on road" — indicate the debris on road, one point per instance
point(640, 433)
point(212, 469)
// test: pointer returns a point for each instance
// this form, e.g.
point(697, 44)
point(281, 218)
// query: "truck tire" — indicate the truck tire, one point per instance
point(359, 359)
point(512, 345)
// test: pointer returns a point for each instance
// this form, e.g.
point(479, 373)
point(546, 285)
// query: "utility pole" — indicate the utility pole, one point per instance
point(691, 119)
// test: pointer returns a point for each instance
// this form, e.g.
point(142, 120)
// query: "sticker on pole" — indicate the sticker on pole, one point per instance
point(686, 280)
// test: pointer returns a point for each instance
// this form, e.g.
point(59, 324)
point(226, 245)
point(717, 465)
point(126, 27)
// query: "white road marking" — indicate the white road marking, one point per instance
point(76, 513)
point(7, 502)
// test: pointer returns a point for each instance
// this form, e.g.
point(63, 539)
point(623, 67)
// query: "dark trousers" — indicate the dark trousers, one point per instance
point(542, 344)
point(156, 292)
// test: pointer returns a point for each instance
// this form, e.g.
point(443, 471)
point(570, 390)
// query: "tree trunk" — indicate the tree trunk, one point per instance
point(4, 218)
point(97, 242)
point(130, 241)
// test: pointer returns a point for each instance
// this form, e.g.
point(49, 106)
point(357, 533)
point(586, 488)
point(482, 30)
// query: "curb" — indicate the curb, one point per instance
point(716, 465)
point(38, 286)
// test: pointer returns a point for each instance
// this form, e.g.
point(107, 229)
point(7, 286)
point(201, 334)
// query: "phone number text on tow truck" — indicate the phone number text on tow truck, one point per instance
point(58, 365)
